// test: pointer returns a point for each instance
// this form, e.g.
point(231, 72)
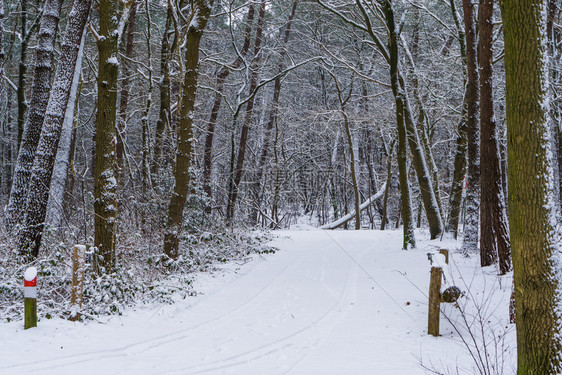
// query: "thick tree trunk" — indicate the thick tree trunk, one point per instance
point(494, 241)
point(257, 185)
point(105, 173)
point(239, 167)
point(40, 90)
point(185, 129)
point(535, 239)
point(397, 89)
point(65, 150)
point(470, 242)
point(29, 239)
point(221, 78)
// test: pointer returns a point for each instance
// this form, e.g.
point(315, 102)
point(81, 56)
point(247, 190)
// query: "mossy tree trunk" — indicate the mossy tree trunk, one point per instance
point(202, 9)
point(532, 207)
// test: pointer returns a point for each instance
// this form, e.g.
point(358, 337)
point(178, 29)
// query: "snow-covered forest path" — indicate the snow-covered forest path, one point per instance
point(309, 309)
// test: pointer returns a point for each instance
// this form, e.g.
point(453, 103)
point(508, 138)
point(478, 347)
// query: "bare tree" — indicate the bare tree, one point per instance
point(200, 12)
point(533, 211)
point(29, 239)
point(40, 91)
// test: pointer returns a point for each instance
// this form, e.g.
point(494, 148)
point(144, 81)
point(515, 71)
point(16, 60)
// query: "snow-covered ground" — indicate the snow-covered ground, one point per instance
point(328, 302)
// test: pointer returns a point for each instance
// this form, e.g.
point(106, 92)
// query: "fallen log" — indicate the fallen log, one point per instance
point(341, 221)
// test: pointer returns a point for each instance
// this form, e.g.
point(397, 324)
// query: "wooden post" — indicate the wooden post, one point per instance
point(78, 262)
point(434, 301)
point(446, 253)
point(30, 297)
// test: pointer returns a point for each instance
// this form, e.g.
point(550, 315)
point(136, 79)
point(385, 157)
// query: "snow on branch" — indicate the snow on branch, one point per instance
point(341, 221)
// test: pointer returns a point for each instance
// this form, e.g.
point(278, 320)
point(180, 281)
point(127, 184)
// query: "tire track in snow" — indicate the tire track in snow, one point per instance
point(175, 336)
point(331, 316)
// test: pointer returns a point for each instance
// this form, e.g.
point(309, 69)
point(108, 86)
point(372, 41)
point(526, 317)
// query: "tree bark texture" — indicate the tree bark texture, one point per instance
point(29, 239)
point(470, 242)
point(2, 49)
point(494, 241)
point(535, 238)
point(185, 129)
point(58, 191)
point(40, 91)
point(105, 169)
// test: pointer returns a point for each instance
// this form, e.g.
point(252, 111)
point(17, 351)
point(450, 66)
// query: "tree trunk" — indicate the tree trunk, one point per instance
point(384, 216)
point(494, 241)
point(239, 167)
point(29, 239)
point(40, 90)
point(163, 122)
point(22, 103)
point(455, 200)
point(221, 78)
point(185, 129)
point(472, 199)
point(105, 174)
point(65, 150)
point(257, 185)
point(125, 88)
point(2, 49)
point(397, 89)
point(532, 207)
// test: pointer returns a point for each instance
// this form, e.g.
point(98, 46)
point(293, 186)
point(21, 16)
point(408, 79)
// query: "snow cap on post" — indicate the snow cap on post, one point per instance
point(30, 277)
point(30, 297)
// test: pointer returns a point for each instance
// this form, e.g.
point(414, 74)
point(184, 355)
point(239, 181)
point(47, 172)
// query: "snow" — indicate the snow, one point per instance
point(30, 274)
point(328, 302)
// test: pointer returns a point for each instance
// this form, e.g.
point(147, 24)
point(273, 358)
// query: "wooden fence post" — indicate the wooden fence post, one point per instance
point(30, 297)
point(445, 252)
point(434, 301)
point(78, 265)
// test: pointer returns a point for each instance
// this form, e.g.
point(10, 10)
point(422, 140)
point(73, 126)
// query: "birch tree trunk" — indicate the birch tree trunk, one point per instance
point(470, 242)
point(202, 9)
point(29, 239)
point(105, 174)
point(535, 238)
point(40, 90)
point(494, 240)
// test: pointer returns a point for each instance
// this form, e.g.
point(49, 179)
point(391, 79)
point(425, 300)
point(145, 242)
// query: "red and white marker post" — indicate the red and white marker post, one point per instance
point(30, 297)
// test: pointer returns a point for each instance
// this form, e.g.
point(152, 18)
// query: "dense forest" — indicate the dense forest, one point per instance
point(170, 132)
